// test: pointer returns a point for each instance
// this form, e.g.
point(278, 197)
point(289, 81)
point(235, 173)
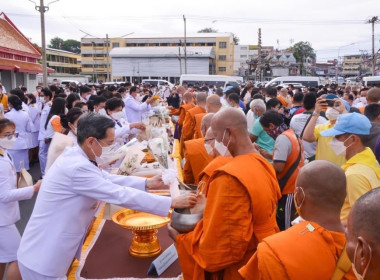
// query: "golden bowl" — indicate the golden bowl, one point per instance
point(144, 228)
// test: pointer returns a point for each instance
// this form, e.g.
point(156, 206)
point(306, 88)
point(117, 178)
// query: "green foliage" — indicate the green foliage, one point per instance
point(69, 45)
point(302, 50)
point(235, 38)
point(208, 30)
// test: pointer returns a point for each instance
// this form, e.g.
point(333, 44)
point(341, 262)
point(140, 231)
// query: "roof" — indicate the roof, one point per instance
point(165, 35)
point(162, 52)
point(12, 38)
point(22, 66)
point(63, 51)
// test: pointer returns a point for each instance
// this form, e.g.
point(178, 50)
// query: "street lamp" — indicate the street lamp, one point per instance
point(337, 64)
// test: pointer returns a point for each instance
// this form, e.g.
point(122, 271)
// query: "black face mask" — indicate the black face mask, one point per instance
point(274, 133)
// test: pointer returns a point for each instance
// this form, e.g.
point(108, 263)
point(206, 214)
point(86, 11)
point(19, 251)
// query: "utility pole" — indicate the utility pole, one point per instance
point(258, 68)
point(108, 63)
point(373, 20)
point(42, 9)
point(184, 21)
point(180, 60)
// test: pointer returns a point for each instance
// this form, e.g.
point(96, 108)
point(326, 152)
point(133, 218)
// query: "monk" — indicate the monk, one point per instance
point(240, 206)
point(363, 239)
point(196, 155)
point(187, 104)
point(310, 249)
point(188, 127)
point(213, 105)
point(176, 111)
point(218, 161)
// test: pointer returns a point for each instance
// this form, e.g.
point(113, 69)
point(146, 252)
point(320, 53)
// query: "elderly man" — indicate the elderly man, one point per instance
point(363, 240)
point(257, 108)
point(69, 197)
point(196, 155)
point(213, 105)
point(319, 196)
point(284, 98)
point(362, 169)
point(240, 208)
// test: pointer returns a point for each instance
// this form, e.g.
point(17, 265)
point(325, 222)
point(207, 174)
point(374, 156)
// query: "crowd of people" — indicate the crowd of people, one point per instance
point(290, 176)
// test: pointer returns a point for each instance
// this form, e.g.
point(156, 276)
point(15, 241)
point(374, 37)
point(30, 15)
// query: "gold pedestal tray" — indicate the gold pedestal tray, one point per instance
point(144, 228)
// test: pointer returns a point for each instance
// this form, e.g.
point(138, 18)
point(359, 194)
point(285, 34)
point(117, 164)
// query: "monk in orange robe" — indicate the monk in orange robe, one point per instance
point(310, 249)
point(213, 105)
point(240, 206)
point(196, 155)
point(175, 111)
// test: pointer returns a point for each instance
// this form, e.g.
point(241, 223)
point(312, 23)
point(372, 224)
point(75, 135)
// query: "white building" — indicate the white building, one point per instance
point(244, 53)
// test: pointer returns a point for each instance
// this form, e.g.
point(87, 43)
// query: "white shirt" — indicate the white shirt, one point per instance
point(44, 114)
point(75, 140)
point(135, 109)
point(250, 120)
point(24, 127)
point(35, 116)
point(66, 204)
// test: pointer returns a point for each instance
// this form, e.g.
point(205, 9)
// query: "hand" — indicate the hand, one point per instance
point(137, 125)
point(320, 105)
point(156, 183)
point(341, 108)
point(172, 232)
point(170, 107)
point(149, 100)
point(265, 153)
point(37, 186)
point(187, 200)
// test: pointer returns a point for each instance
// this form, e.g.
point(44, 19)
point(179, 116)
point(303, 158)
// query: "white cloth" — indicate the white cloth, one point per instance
point(297, 124)
point(250, 120)
point(20, 158)
point(9, 242)
point(75, 140)
point(66, 204)
point(42, 155)
point(44, 114)
point(135, 110)
point(24, 127)
point(9, 194)
point(29, 274)
point(49, 129)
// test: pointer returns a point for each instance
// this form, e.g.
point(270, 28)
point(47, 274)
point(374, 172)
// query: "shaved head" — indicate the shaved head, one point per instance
point(213, 104)
point(206, 122)
point(201, 98)
point(188, 97)
point(229, 117)
point(181, 90)
point(373, 95)
point(324, 184)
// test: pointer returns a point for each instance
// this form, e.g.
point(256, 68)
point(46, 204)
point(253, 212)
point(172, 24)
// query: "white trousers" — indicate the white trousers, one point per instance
point(28, 274)
point(42, 155)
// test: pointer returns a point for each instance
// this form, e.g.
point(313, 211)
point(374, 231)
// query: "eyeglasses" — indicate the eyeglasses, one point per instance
point(9, 136)
point(209, 139)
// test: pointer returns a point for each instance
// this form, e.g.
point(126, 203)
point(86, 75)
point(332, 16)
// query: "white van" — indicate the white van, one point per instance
point(305, 81)
point(371, 81)
point(157, 83)
point(217, 80)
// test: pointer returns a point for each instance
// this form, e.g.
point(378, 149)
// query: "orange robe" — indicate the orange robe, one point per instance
point(240, 211)
point(188, 126)
point(182, 112)
point(297, 254)
point(198, 124)
point(197, 158)
point(282, 101)
point(205, 175)
point(176, 111)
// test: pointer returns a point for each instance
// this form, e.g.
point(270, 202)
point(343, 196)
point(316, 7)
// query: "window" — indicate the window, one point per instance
point(115, 45)
point(222, 69)
point(211, 44)
point(222, 57)
point(243, 56)
point(222, 45)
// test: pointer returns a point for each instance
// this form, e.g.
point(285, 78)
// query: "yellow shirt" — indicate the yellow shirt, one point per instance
point(363, 174)
point(4, 101)
point(324, 150)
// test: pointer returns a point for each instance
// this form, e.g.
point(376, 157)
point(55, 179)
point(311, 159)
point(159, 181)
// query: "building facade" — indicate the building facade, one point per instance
point(243, 54)
point(356, 65)
point(63, 62)
point(94, 50)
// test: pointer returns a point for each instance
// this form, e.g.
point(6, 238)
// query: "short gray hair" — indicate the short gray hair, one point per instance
point(93, 125)
point(257, 103)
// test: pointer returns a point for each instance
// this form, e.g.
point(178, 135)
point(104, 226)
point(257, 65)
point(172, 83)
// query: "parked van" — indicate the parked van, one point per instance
point(305, 81)
point(68, 82)
point(217, 80)
point(157, 83)
point(371, 81)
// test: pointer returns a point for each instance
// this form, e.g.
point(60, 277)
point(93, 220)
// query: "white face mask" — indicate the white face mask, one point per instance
point(7, 143)
point(106, 154)
point(267, 98)
point(358, 276)
point(117, 115)
point(209, 149)
point(363, 100)
point(102, 112)
point(138, 96)
point(332, 114)
point(40, 99)
point(338, 147)
point(66, 111)
point(221, 148)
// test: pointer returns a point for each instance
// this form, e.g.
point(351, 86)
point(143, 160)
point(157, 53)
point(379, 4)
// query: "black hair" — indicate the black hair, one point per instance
point(114, 103)
point(85, 89)
point(4, 122)
point(271, 117)
point(80, 105)
point(272, 103)
point(122, 89)
point(118, 95)
point(72, 115)
point(31, 97)
point(309, 100)
point(47, 93)
point(372, 111)
point(112, 88)
point(24, 89)
point(98, 100)
point(354, 110)
point(132, 89)
point(18, 92)
point(233, 90)
point(271, 91)
point(93, 125)
point(15, 101)
point(55, 89)
point(298, 97)
point(57, 108)
point(61, 95)
point(234, 97)
point(107, 94)
point(70, 100)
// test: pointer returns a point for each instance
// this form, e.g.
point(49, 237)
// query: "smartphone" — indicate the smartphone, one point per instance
point(330, 103)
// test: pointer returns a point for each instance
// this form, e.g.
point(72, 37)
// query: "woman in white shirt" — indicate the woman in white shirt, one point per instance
point(24, 127)
point(35, 115)
point(9, 197)
point(70, 122)
point(53, 120)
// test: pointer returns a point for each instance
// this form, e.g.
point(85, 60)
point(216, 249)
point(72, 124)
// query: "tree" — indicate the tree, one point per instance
point(301, 51)
point(208, 30)
point(56, 43)
point(235, 38)
point(71, 45)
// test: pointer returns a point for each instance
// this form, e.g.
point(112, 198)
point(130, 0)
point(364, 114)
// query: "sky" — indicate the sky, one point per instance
point(333, 27)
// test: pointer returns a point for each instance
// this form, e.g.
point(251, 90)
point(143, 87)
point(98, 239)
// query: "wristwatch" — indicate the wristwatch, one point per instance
point(315, 114)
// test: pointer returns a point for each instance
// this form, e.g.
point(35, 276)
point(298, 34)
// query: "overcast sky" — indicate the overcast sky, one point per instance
point(329, 25)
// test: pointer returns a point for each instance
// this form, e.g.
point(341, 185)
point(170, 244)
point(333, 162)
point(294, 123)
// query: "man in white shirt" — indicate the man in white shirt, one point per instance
point(69, 197)
point(134, 109)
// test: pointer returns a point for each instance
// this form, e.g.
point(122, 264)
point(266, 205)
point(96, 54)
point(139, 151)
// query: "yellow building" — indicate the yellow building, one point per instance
point(94, 50)
point(63, 62)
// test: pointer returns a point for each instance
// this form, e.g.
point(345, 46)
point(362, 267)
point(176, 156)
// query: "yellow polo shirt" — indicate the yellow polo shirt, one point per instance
point(324, 150)
point(4, 101)
point(363, 174)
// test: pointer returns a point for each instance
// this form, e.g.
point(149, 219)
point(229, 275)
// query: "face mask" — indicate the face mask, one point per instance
point(358, 276)
point(363, 100)
point(66, 111)
point(209, 149)
point(332, 114)
point(117, 115)
point(298, 207)
point(221, 148)
point(138, 97)
point(102, 112)
point(38, 90)
point(104, 157)
point(7, 143)
point(40, 99)
point(338, 147)
point(267, 98)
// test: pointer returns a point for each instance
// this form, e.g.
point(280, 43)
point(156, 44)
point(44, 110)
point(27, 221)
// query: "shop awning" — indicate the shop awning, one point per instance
point(22, 66)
